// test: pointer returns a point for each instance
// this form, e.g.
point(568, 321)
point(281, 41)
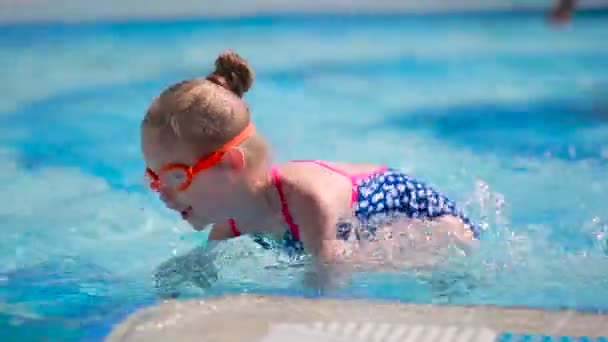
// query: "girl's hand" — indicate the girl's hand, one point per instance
point(196, 268)
point(329, 270)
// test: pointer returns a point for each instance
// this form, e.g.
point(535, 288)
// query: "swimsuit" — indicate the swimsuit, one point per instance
point(377, 197)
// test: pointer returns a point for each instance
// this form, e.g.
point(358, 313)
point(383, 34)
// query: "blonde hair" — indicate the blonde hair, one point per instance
point(207, 112)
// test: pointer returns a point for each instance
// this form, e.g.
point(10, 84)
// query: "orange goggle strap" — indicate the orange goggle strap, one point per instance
point(217, 155)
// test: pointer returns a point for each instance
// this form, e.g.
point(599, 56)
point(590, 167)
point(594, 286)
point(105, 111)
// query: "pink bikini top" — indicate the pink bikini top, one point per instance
point(293, 227)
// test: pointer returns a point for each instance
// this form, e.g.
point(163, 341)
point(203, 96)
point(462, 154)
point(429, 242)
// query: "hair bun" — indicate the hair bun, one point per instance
point(233, 73)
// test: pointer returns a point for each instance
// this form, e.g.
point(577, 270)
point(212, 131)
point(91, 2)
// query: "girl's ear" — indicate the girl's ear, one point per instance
point(235, 158)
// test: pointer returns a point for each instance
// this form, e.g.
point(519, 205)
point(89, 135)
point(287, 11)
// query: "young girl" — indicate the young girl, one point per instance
point(207, 162)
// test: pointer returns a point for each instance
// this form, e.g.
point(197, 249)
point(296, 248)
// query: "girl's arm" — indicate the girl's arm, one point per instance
point(318, 217)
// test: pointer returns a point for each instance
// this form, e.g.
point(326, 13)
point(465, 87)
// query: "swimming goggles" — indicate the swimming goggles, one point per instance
point(179, 176)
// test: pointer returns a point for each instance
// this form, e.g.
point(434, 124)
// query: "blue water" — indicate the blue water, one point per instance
point(501, 111)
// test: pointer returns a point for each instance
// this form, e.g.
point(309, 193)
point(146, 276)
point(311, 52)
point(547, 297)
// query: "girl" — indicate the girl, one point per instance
point(208, 163)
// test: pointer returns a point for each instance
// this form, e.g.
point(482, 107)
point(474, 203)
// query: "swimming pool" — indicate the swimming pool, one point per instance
point(500, 111)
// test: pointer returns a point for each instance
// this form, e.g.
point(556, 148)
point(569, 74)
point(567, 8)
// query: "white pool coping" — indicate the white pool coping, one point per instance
point(271, 318)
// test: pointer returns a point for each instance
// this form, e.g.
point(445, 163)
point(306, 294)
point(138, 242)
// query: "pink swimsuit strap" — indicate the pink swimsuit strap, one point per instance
point(293, 227)
point(354, 178)
point(232, 223)
point(276, 178)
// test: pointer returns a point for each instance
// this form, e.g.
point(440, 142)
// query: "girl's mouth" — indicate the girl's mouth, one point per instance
point(186, 213)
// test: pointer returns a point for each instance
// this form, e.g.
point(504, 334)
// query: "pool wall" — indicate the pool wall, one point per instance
point(75, 10)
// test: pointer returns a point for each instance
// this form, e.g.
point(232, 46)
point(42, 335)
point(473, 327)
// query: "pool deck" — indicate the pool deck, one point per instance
point(250, 317)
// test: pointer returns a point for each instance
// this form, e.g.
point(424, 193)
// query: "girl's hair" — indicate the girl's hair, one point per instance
point(207, 112)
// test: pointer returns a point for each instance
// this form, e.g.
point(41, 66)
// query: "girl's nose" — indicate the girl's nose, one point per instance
point(167, 196)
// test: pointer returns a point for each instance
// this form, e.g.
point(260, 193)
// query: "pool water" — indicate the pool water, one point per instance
point(502, 112)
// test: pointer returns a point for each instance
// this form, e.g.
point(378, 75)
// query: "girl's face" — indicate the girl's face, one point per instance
point(212, 193)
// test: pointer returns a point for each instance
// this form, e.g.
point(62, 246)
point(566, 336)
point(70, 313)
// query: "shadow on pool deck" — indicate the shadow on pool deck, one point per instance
point(254, 318)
